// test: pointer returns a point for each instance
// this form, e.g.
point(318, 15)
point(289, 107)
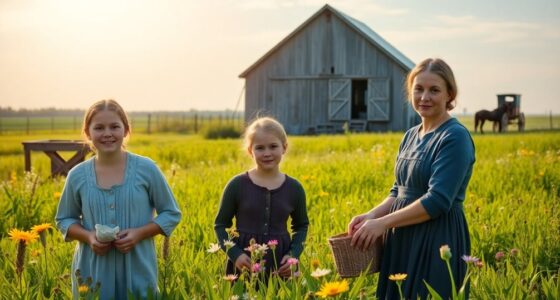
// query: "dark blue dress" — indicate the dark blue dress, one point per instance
point(435, 169)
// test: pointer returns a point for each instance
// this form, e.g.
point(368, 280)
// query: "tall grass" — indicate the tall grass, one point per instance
point(513, 203)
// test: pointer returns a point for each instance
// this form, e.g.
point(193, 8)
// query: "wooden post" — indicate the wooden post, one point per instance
point(149, 129)
point(52, 124)
point(27, 125)
point(551, 127)
point(196, 123)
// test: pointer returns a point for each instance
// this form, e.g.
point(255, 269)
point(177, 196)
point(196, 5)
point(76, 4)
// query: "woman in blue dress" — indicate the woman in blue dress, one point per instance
point(424, 209)
point(115, 188)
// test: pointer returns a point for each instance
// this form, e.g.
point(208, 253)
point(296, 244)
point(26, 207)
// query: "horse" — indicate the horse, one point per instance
point(496, 116)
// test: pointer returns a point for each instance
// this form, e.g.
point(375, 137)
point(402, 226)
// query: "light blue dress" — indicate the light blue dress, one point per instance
point(129, 205)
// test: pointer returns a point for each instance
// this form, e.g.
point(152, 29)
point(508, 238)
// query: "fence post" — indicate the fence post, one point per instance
point(551, 127)
point(52, 124)
point(196, 123)
point(149, 129)
point(27, 125)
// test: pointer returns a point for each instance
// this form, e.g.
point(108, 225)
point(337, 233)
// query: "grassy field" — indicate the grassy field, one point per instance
point(512, 205)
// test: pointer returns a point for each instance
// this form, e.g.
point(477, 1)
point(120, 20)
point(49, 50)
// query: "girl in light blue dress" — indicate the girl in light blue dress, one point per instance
point(115, 188)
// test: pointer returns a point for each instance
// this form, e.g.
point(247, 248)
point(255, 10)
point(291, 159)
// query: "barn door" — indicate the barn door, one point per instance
point(378, 105)
point(339, 99)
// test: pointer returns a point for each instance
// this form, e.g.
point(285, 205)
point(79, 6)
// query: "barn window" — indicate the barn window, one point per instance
point(359, 96)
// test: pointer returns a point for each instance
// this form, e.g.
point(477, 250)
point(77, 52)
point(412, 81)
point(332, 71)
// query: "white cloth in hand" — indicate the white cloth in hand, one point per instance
point(106, 233)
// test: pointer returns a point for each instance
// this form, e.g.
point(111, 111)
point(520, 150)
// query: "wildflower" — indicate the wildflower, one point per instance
point(232, 233)
point(262, 248)
point(333, 288)
point(323, 193)
point(479, 264)
point(23, 236)
point(230, 277)
point(500, 255)
point(292, 261)
point(83, 290)
point(213, 248)
point(397, 277)
point(445, 252)
point(272, 244)
point(320, 272)
point(229, 244)
point(315, 263)
point(35, 253)
point(256, 268)
point(234, 297)
point(57, 195)
point(41, 230)
point(470, 259)
point(514, 252)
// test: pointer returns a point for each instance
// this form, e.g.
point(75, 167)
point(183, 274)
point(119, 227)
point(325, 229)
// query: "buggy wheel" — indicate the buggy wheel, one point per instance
point(504, 122)
point(521, 122)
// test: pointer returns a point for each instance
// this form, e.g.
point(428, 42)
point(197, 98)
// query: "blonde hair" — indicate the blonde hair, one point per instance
point(266, 124)
point(104, 105)
point(439, 67)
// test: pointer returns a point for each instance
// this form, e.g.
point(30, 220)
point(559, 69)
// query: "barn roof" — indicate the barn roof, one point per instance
point(360, 27)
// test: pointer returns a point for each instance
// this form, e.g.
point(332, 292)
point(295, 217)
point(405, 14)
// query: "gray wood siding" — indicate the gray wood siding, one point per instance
point(292, 84)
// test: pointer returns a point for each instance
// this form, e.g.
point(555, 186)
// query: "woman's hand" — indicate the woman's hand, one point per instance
point(358, 221)
point(243, 261)
point(127, 239)
point(99, 248)
point(285, 268)
point(367, 234)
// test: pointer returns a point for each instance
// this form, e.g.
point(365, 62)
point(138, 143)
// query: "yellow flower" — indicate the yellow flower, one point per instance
point(23, 236)
point(42, 227)
point(57, 195)
point(315, 263)
point(83, 289)
point(333, 288)
point(397, 277)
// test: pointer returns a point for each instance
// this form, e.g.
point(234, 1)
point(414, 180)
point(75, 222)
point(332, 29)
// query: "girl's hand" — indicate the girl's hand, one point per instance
point(367, 234)
point(284, 269)
point(243, 261)
point(127, 239)
point(357, 222)
point(99, 248)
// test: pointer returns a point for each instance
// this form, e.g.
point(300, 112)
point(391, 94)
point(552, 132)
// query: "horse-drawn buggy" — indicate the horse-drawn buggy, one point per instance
point(508, 112)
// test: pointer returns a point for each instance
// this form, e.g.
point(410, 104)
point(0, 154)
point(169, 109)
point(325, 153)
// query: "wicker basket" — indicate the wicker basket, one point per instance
point(350, 261)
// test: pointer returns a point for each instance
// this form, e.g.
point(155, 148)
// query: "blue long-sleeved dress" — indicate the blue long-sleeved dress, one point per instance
point(129, 205)
point(435, 169)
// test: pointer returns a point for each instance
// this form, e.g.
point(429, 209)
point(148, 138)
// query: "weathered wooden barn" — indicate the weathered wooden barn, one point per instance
point(330, 71)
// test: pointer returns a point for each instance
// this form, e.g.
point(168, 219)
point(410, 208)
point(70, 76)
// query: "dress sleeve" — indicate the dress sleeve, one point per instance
point(69, 209)
point(224, 217)
point(300, 223)
point(450, 171)
point(168, 213)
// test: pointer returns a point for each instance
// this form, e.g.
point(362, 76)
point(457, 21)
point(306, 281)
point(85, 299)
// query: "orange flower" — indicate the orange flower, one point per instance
point(23, 236)
point(41, 227)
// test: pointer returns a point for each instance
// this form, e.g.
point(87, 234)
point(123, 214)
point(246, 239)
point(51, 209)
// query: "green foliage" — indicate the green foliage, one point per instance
point(513, 202)
point(222, 132)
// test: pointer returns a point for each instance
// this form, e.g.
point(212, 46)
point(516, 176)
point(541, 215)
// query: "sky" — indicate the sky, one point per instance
point(180, 55)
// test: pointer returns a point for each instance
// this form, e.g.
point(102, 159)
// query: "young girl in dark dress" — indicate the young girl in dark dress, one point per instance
point(261, 200)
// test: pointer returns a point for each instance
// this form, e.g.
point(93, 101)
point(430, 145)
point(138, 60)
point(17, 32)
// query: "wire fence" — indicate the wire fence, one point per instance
point(188, 123)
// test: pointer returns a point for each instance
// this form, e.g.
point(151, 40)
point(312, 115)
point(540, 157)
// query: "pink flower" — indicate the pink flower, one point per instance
point(272, 244)
point(479, 264)
point(292, 261)
point(500, 255)
point(256, 268)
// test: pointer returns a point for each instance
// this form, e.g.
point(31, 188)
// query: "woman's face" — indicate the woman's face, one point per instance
point(430, 95)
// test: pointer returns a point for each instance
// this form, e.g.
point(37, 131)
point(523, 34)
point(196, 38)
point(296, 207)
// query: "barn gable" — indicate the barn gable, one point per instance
point(329, 71)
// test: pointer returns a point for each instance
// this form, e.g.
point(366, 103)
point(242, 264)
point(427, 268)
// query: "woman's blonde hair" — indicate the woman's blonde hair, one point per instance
point(266, 124)
point(440, 68)
point(103, 105)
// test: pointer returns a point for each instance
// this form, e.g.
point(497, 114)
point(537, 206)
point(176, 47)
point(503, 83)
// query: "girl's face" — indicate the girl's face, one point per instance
point(430, 95)
point(106, 132)
point(267, 150)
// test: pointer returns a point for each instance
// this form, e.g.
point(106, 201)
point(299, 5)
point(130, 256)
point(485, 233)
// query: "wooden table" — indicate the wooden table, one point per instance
point(59, 166)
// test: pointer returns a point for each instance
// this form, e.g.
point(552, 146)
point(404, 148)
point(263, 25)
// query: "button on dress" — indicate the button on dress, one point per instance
point(436, 169)
point(143, 192)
